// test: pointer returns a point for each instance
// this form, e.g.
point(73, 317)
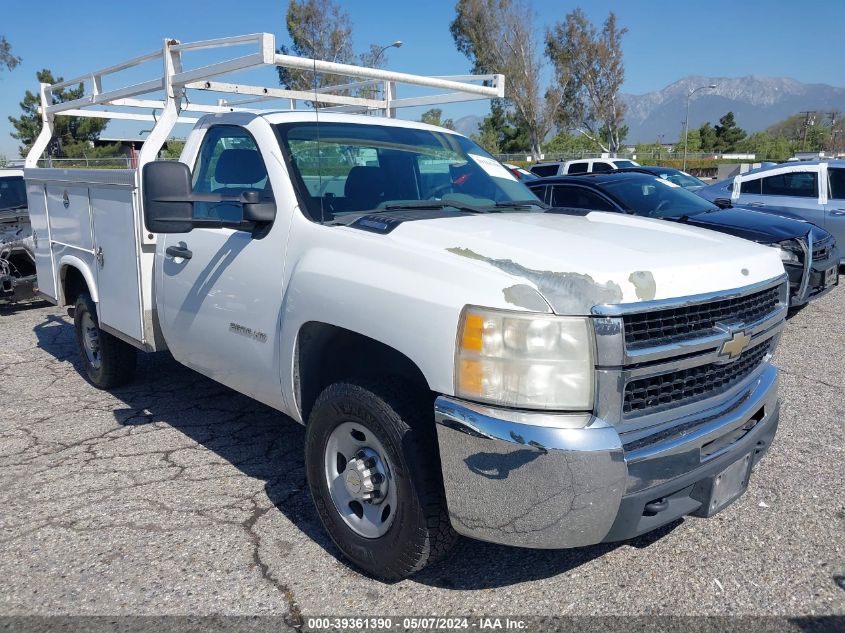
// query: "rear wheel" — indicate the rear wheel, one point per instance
point(108, 361)
point(374, 473)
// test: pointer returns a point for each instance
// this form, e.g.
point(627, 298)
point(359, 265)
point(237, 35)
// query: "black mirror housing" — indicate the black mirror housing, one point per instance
point(257, 210)
point(167, 194)
point(723, 203)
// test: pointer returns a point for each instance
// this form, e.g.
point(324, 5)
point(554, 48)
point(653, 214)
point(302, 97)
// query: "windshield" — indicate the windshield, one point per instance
point(12, 193)
point(344, 169)
point(622, 164)
point(680, 178)
point(656, 198)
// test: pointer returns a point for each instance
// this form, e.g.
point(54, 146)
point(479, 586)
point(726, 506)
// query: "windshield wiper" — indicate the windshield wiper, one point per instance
point(431, 204)
point(522, 203)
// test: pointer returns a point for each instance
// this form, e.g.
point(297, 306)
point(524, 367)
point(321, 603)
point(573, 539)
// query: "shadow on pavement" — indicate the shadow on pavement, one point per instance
point(8, 307)
point(266, 445)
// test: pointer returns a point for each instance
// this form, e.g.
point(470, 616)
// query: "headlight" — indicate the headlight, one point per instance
point(533, 361)
point(788, 252)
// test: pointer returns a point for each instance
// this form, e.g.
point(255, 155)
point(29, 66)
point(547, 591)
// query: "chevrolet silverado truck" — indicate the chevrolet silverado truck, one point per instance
point(463, 362)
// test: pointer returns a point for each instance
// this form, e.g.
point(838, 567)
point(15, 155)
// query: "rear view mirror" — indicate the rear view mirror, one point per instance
point(167, 197)
point(723, 203)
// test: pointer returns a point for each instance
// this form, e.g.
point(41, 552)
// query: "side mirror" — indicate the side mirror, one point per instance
point(723, 203)
point(257, 210)
point(167, 194)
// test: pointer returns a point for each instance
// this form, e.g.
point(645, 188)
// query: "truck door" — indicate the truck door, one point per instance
point(791, 193)
point(835, 207)
point(220, 290)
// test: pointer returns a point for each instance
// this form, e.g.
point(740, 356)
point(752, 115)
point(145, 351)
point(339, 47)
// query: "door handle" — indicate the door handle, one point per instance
point(756, 204)
point(838, 212)
point(179, 251)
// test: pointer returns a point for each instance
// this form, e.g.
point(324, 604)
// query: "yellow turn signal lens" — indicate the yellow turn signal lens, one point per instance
point(472, 340)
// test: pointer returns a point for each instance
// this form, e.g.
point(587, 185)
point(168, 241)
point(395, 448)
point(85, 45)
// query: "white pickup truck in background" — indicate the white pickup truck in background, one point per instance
point(464, 361)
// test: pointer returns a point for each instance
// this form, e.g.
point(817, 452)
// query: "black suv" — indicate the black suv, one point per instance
point(808, 252)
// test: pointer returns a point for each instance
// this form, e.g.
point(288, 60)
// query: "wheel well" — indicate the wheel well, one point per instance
point(73, 284)
point(326, 354)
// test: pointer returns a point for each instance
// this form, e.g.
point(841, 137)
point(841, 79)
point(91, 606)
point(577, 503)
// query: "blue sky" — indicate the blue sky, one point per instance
point(666, 40)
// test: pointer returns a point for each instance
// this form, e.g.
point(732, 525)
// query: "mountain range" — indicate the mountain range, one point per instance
point(757, 102)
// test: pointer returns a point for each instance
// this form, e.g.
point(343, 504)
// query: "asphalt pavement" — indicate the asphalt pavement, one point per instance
point(178, 496)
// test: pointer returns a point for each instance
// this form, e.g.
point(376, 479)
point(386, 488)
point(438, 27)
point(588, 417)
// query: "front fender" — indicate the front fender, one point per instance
point(372, 286)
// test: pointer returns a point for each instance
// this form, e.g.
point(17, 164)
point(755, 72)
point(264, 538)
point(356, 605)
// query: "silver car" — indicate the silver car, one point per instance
point(811, 190)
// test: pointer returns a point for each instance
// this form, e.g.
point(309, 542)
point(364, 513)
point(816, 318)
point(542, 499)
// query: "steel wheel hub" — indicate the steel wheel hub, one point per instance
point(363, 477)
point(358, 474)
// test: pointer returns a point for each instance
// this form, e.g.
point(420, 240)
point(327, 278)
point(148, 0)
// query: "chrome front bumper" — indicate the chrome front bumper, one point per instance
point(567, 480)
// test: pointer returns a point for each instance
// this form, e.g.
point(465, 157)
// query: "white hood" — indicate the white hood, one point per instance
point(577, 262)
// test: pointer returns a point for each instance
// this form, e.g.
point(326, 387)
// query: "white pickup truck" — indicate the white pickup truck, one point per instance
point(464, 360)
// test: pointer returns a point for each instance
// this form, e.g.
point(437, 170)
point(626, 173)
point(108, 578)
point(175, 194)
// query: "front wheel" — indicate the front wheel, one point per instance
point(374, 474)
point(108, 361)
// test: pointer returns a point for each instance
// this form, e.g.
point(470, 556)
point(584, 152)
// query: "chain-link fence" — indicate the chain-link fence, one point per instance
point(115, 162)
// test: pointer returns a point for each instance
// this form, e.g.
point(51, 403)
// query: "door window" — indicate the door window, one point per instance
point(544, 170)
point(578, 168)
point(837, 184)
point(578, 198)
point(229, 164)
point(797, 184)
point(602, 167)
point(539, 191)
point(750, 186)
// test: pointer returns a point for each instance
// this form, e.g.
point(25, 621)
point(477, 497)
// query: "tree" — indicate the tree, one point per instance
point(502, 131)
point(72, 135)
point(433, 117)
point(566, 143)
point(322, 30)
point(173, 148)
point(6, 58)
point(707, 138)
point(497, 36)
point(589, 72)
point(693, 141)
point(728, 134)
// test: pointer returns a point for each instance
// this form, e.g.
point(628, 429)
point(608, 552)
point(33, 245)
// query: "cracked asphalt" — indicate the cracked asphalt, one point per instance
point(178, 496)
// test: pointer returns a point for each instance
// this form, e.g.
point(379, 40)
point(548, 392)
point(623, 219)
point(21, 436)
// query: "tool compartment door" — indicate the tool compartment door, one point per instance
point(44, 269)
point(116, 250)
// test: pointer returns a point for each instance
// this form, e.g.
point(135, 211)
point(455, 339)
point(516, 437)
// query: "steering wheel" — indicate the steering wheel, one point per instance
point(440, 190)
point(663, 204)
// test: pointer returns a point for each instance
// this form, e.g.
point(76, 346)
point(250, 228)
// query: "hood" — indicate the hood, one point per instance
point(757, 226)
point(577, 262)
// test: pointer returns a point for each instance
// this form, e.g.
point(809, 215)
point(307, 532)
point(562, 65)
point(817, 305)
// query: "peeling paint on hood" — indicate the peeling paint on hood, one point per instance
point(525, 296)
point(567, 292)
point(644, 284)
point(577, 262)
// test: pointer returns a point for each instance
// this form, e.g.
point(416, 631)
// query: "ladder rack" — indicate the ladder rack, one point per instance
point(176, 82)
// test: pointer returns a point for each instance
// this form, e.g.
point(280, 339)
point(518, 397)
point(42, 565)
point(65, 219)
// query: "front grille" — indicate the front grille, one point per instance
point(671, 325)
point(677, 388)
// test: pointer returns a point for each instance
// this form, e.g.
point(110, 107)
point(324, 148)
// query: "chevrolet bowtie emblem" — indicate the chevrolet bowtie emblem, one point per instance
point(735, 346)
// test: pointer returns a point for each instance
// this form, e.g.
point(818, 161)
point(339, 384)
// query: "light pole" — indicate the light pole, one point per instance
point(396, 44)
point(686, 121)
